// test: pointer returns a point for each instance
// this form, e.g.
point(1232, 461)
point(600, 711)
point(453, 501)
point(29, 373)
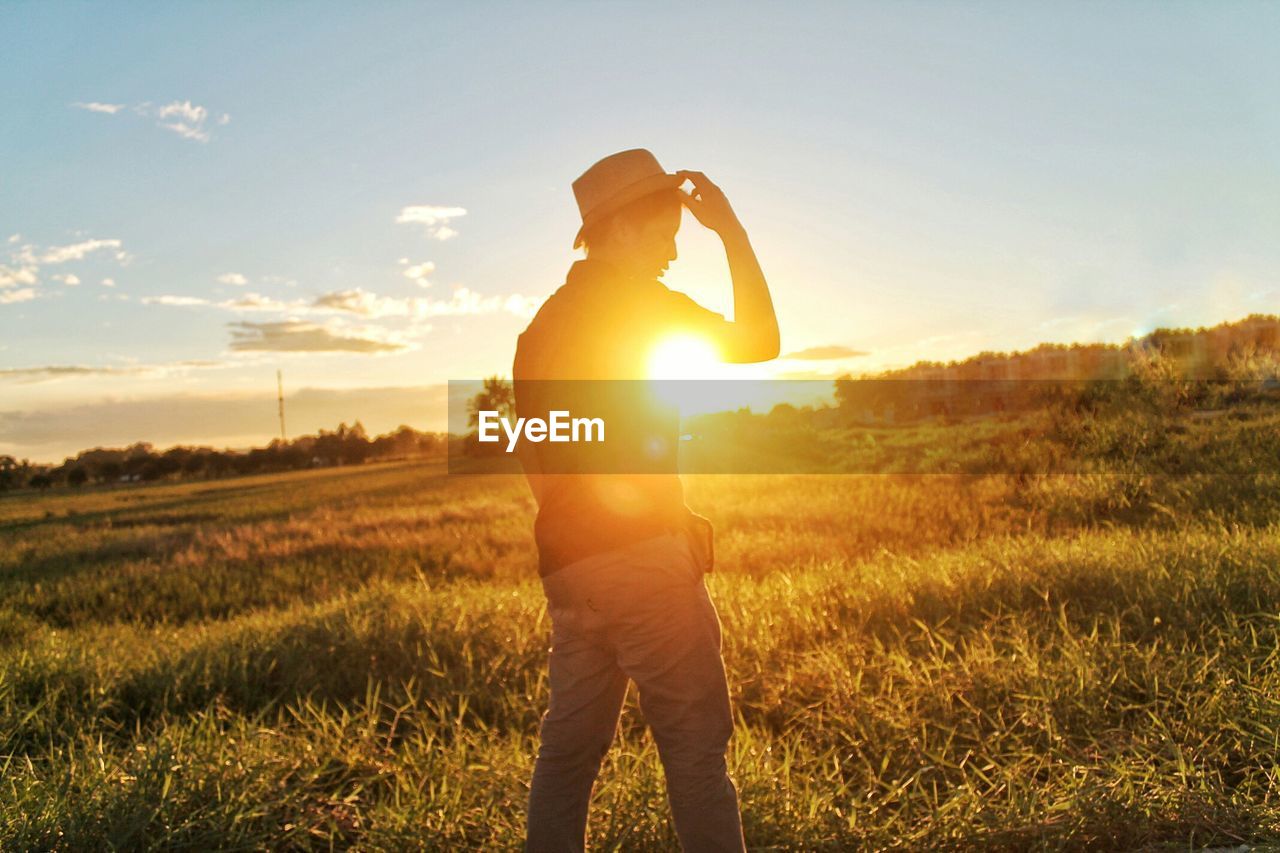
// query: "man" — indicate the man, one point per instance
point(620, 562)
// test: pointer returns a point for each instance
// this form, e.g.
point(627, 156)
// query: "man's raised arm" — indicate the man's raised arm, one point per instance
point(753, 334)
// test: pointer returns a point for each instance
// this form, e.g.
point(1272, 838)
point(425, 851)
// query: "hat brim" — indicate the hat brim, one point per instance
point(624, 196)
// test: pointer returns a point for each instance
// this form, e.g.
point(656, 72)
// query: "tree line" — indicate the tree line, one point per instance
point(141, 462)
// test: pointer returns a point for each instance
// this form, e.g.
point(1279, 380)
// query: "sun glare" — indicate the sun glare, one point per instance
point(687, 357)
point(684, 357)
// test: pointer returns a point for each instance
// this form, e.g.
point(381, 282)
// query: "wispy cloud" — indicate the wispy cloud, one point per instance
point(30, 375)
point(174, 300)
point(233, 278)
point(434, 218)
point(56, 372)
point(188, 120)
point(73, 252)
point(301, 336)
point(248, 302)
point(98, 107)
point(69, 279)
point(829, 352)
point(463, 301)
point(258, 302)
point(364, 303)
point(418, 273)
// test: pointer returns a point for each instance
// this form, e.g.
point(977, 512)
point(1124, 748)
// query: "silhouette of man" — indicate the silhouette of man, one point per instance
point(620, 555)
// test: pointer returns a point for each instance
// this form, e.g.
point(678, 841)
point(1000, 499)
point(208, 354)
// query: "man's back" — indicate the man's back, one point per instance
point(590, 344)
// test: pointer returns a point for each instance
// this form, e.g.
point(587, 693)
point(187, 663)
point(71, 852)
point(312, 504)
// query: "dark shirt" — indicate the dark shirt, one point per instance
point(601, 329)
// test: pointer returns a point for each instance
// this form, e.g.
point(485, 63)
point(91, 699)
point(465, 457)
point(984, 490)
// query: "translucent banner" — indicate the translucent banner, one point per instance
point(852, 426)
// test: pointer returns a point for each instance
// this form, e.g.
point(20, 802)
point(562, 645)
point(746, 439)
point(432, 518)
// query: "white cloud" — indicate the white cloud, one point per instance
point(827, 352)
point(435, 218)
point(187, 120)
point(466, 301)
point(258, 302)
point(184, 118)
point(247, 302)
point(183, 110)
point(108, 282)
point(418, 273)
point(98, 107)
point(10, 277)
point(76, 251)
point(186, 131)
point(24, 294)
point(233, 278)
point(521, 306)
point(25, 261)
point(463, 302)
point(174, 300)
point(364, 303)
point(300, 336)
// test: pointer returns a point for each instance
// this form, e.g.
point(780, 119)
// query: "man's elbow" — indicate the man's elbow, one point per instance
point(756, 348)
point(771, 348)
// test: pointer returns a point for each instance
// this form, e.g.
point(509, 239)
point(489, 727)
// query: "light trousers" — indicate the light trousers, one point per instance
point(642, 614)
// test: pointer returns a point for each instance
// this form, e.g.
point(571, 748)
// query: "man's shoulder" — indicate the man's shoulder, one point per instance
point(548, 325)
point(679, 306)
point(549, 312)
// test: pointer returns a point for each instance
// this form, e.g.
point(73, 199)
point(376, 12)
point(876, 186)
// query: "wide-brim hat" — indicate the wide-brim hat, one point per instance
point(615, 182)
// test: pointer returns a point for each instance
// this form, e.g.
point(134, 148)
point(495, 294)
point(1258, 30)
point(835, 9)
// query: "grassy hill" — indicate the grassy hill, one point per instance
point(355, 657)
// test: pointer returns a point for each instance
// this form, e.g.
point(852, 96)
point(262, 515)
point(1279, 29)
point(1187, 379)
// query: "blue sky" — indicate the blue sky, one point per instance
point(920, 181)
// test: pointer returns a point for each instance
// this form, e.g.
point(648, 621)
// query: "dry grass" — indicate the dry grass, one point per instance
point(356, 658)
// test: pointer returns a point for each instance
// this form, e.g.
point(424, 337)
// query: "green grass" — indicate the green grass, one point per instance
point(355, 658)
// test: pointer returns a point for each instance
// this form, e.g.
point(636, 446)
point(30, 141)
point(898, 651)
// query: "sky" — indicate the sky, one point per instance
point(374, 198)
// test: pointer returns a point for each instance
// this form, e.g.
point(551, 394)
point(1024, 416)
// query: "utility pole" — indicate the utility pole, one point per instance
point(280, 400)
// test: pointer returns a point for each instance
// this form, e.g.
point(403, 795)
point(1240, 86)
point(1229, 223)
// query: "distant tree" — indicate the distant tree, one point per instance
point(77, 477)
point(497, 395)
point(355, 444)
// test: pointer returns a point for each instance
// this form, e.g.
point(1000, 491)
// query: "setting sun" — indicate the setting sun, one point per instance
point(685, 357)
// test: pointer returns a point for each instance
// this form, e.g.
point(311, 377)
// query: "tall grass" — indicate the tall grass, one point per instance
point(355, 658)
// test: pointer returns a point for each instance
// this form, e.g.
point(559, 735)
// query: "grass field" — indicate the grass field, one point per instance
point(355, 657)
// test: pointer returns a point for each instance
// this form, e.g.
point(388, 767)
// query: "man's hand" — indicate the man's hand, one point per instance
point(708, 204)
point(753, 334)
